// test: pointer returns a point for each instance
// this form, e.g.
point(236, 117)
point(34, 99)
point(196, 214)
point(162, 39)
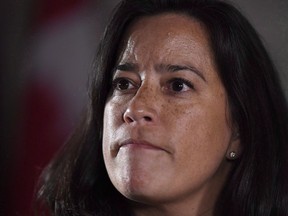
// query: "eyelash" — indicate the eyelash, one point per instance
point(168, 87)
point(116, 81)
point(183, 81)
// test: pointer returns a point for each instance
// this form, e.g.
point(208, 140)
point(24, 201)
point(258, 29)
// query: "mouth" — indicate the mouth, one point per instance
point(132, 143)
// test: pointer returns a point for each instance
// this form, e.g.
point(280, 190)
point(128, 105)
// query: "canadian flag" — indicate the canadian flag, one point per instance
point(59, 53)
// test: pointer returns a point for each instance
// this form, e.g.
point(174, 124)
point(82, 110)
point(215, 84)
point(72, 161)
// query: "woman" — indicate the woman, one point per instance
point(187, 117)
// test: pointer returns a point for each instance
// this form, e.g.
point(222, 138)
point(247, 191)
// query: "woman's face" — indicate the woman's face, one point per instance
point(167, 125)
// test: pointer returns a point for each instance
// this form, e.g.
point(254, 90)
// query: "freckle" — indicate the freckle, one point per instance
point(176, 111)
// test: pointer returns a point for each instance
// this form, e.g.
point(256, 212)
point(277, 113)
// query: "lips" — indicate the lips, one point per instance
point(139, 144)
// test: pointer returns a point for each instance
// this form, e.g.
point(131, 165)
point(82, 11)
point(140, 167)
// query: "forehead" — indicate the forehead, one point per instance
point(166, 27)
point(171, 21)
point(167, 32)
point(166, 39)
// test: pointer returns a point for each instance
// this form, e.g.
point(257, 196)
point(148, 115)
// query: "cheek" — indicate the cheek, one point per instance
point(109, 131)
point(201, 139)
point(203, 131)
point(112, 117)
point(110, 122)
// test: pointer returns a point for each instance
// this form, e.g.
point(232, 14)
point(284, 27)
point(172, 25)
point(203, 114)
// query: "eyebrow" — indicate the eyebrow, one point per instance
point(163, 67)
point(175, 68)
point(127, 67)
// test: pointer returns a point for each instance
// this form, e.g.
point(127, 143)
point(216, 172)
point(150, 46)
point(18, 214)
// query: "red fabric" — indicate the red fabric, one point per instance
point(44, 126)
point(53, 10)
point(41, 139)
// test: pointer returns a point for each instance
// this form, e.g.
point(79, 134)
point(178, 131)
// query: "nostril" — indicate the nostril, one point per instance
point(140, 115)
point(128, 119)
point(147, 118)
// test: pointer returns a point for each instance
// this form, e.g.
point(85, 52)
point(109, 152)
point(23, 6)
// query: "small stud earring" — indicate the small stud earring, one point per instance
point(232, 155)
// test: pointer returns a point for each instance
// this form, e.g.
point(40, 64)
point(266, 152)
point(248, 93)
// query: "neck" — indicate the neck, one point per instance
point(145, 210)
point(200, 203)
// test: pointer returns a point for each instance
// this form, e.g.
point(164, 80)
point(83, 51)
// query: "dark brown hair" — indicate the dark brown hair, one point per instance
point(76, 182)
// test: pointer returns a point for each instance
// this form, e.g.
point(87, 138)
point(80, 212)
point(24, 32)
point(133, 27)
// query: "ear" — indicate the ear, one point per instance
point(234, 150)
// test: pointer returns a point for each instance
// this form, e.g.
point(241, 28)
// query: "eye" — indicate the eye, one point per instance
point(179, 85)
point(122, 84)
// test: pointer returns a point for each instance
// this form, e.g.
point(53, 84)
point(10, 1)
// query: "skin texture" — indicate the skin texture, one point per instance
point(165, 140)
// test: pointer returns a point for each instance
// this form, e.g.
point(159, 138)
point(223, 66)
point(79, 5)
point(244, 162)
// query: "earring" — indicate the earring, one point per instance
point(232, 155)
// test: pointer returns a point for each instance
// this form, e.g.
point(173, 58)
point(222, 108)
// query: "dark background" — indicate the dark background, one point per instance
point(46, 47)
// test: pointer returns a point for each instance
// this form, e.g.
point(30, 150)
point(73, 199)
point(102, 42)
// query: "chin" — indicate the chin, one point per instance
point(137, 192)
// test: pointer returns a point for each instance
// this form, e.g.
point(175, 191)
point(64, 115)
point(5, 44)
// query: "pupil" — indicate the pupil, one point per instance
point(123, 84)
point(177, 86)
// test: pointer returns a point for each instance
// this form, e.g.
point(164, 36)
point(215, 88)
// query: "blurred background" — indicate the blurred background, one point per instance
point(46, 48)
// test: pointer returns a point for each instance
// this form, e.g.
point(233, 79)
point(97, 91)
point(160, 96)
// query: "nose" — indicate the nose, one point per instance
point(142, 108)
